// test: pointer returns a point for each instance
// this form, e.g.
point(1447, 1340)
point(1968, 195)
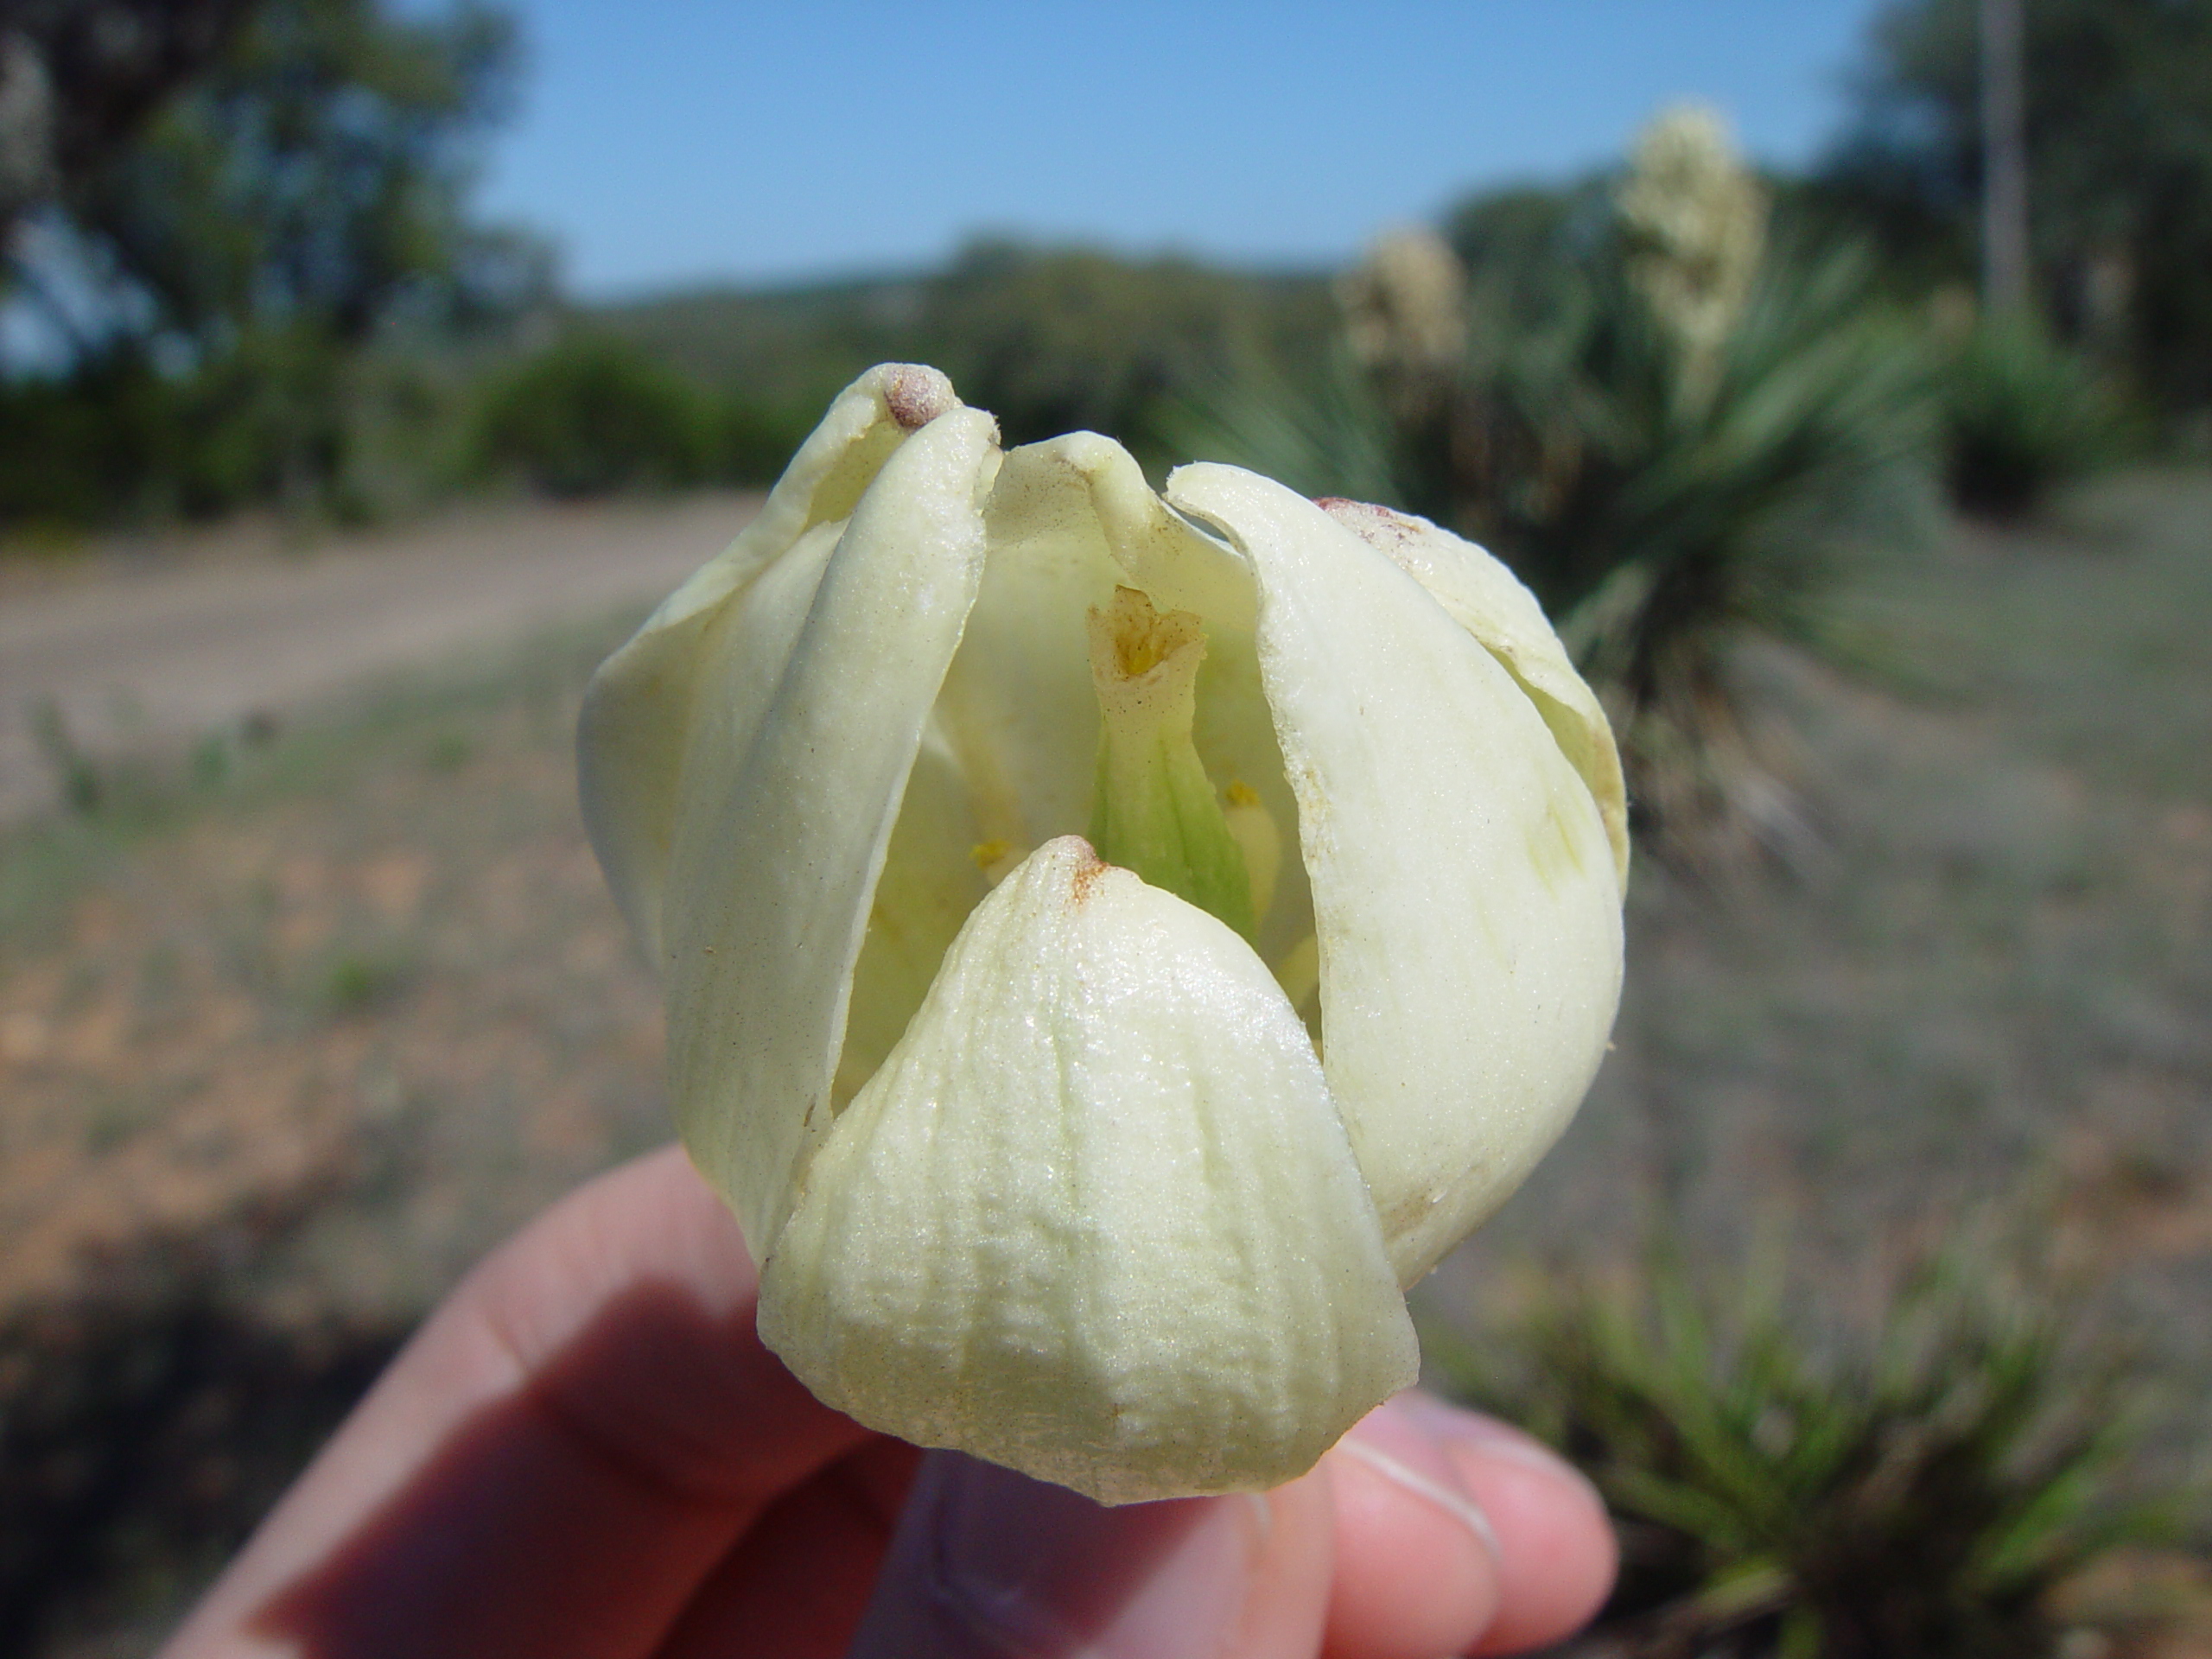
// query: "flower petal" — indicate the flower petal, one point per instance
point(1017, 709)
point(1489, 601)
point(780, 831)
point(1070, 520)
point(932, 879)
point(1464, 890)
point(637, 712)
point(1095, 1218)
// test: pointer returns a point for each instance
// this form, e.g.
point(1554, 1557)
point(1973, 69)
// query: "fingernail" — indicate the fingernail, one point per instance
point(989, 1563)
point(1560, 1557)
point(1465, 1432)
point(1400, 1444)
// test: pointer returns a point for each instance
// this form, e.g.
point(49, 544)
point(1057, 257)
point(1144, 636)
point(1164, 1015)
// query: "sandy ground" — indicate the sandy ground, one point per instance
point(153, 646)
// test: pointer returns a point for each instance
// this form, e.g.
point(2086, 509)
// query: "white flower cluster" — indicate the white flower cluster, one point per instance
point(1698, 218)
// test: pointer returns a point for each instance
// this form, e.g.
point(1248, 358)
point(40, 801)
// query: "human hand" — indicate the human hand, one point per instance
point(586, 1452)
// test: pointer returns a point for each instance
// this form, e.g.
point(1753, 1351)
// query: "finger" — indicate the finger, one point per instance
point(1416, 1572)
point(987, 1562)
point(1556, 1549)
point(556, 1459)
point(794, 1587)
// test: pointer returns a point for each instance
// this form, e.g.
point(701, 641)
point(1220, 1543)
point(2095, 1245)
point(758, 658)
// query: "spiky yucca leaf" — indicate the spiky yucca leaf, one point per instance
point(1915, 1486)
point(1326, 434)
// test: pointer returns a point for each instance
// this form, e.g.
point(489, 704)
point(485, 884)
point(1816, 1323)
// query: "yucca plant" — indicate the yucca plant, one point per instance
point(1674, 433)
point(2022, 414)
point(1915, 1486)
point(1321, 429)
point(1680, 524)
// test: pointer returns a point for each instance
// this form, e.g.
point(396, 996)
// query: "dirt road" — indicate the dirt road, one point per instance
point(140, 650)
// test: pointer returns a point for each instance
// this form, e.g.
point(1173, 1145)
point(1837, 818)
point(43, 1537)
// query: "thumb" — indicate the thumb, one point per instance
point(988, 1562)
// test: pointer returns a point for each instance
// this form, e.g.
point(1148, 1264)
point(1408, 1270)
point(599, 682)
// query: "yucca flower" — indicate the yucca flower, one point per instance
point(1405, 315)
point(1697, 218)
point(1114, 943)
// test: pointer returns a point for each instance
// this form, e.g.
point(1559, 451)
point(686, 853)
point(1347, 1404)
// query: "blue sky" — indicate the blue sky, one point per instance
point(671, 143)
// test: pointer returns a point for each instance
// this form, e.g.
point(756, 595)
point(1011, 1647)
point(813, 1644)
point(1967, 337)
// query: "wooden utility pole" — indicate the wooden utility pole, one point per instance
point(2003, 159)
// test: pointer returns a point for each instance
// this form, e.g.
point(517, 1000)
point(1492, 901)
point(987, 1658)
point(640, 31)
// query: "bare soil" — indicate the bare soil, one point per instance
point(154, 643)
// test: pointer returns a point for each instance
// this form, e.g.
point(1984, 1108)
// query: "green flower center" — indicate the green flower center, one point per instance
point(1156, 811)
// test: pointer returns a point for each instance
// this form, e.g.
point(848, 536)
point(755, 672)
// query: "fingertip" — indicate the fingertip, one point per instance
point(1557, 1553)
point(988, 1561)
point(1416, 1559)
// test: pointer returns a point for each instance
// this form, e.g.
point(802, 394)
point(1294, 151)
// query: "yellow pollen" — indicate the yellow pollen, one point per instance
point(1242, 794)
point(1142, 638)
point(988, 853)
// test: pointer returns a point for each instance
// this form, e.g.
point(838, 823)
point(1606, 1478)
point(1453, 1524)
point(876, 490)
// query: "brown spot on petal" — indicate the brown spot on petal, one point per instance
point(1086, 875)
point(1384, 529)
point(917, 395)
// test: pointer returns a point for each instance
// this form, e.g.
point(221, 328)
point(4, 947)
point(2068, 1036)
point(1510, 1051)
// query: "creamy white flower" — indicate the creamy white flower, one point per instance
point(1696, 216)
point(1042, 1161)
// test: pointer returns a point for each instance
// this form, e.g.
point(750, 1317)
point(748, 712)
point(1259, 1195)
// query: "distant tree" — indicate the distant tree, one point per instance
point(78, 78)
point(593, 414)
point(314, 175)
point(2119, 105)
point(277, 183)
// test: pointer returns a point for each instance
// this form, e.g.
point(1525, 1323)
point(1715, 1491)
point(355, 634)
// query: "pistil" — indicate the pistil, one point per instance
point(1155, 812)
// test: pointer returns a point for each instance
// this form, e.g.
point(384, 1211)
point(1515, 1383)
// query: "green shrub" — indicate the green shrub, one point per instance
point(1062, 339)
point(590, 414)
point(1918, 1485)
point(757, 440)
point(120, 439)
point(1323, 432)
point(1672, 428)
point(2022, 414)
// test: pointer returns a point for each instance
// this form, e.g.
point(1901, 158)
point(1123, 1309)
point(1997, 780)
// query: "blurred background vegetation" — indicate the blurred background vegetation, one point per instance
point(1675, 396)
point(1891, 572)
point(250, 241)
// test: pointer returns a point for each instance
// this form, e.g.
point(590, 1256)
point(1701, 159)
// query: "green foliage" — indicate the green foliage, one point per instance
point(80, 779)
point(1918, 1485)
point(590, 414)
point(1660, 516)
point(593, 414)
point(316, 175)
point(1067, 339)
point(1323, 433)
point(1530, 253)
point(353, 981)
point(1661, 529)
point(2120, 168)
point(2021, 414)
point(776, 349)
point(120, 439)
point(758, 438)
point(298, 201)
point(1049, 339)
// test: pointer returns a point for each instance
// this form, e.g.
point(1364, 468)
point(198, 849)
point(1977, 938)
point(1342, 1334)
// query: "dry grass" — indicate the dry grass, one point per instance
point(284, 1044)
point(376, 961)
point(1988, 982)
